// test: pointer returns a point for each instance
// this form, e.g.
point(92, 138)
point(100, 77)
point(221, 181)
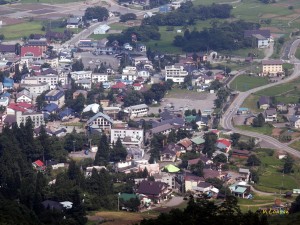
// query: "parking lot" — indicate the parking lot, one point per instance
point(192, 100)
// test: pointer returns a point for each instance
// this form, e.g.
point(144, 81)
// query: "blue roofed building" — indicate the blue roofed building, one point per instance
point(243, 111)
point(165, 9)
point(50, 108)
point(8, 83)
point(66, 113)
point(55, 96)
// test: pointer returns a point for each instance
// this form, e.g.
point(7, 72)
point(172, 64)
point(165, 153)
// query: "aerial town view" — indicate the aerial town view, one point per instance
point(149, 112)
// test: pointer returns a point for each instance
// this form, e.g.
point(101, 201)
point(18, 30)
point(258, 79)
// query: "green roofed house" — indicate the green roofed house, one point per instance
point(241, 189)
point(171, 168)
point(198, 140)
point(190, 118)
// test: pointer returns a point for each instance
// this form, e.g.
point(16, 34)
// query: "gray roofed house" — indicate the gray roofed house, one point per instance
point(272, 62)
point(264, 102)
point(165, 129)
point(175, 121)
point(295, 121)
point(7, 48)
point(250, 33)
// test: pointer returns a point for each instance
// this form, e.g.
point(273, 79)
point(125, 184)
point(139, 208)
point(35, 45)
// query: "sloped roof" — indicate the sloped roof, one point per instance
point(151, 187)
point(161, 128)
point(35, 50)
point(38, 163)
point(50, 107)
point(100, 114)
point(264, 33)
point(225, 142)
point(186, 142)
point(264, 100)
point(198, 140)
point(171, 168)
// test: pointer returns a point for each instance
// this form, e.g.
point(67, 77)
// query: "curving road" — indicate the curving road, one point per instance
point(226, 120)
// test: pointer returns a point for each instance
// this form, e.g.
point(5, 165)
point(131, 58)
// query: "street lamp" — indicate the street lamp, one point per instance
point(119, 201)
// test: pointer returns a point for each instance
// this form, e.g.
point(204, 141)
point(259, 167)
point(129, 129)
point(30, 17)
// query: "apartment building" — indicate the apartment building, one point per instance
point(272, 67)
point(79, 75)
point(137, 110)
point(175, 73)
point(36, 117)
point(129, 136)
point(97, 78)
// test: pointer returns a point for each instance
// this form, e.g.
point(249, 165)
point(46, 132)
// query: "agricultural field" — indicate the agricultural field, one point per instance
point(246, 82)
point(266, 130)
point(50, 1)
point(17, 31)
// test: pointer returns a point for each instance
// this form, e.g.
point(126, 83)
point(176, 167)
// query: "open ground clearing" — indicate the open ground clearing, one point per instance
point(246, 82)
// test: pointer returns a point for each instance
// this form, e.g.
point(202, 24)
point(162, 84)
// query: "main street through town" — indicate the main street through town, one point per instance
point(226, 121)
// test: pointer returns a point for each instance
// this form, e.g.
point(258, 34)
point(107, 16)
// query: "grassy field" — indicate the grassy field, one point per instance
point(291, 219)
point(50, 1)
point(17, 31)
point(245, 82)
point(251, 103)
point(267, 130)
point(271, 178)
point(295, 145)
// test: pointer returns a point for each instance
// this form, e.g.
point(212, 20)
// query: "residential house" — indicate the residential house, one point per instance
point(270, 115)
point(206, 161)
point(78, 92)
point(264, 102)
point(223, 144)
point(295, 121)
point(167, 178)
point(282, 107)
point(102, 29)
point(175, 73)
point(137, 110)
point(74, 22)
point(154, 190)
point(118, 86)
point(66, 113)
point(141, 47)
point(169, 153)
point(137, 86)
point(198, 56)
point(36, 117)
point(244, 174)
point(243, 111)
point(89, 170)
point(56, 96)
point(243, 154)
point(24, 96)
point(100, 121)
point(209, 173)
point(262, 37)
point(241, 190)
point(84, 83)
point(162, 129)
point(12, 108)
point(272, 67)
point(129, 73)
point(198, 142)
point(4, 101)
point(7, 83)
point(134, 153)
point(129, 136)
point(50, 109)
point(148, 15)
point(191, 181)
point(185, 144)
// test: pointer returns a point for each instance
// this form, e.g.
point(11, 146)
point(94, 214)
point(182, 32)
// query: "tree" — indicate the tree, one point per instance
point(133, 98)
point(197, 169)
point(156, 146)
point(259, 121)
point(288, 164)
point(295, 207)
point(118, 152)
point(183, 133)
point(127, 16)
point(209, 144)
point(77, 65)
point(221, 158)
point(102, 155)
point(254, 176)
point(171, 136)
point(253, 160)
point(78, 103)
point(97, 12)
point(235, 137)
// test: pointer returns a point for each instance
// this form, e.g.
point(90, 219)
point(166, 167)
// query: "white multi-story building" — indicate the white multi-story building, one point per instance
point(137, 110)
point(129, 73)
point(78, 75)
point(97, 78)
point(36, 89)
point(100, 121)
point(272, 67)
point(4, 101)
point(24, 96)
point(50, 79)
point(175, 73)
point(36, 117)
point(129, 136)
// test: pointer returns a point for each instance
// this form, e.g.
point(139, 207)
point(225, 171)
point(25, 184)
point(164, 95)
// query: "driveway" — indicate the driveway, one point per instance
point(176, 200)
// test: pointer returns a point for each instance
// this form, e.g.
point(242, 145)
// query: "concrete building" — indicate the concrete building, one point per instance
point(55, 96)
point(36, 89)
point(129, 136)
point(36, 117)
point(78, 75)
point(272, 67)
point(129, 73)
point(24, 96)
point(137, 110)
point(102, 29)
point(97, 78)
point(175, 73)
point(100, 121)
point(4, 101)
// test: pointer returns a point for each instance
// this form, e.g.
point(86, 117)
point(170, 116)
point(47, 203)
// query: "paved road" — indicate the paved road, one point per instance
point(226, 120)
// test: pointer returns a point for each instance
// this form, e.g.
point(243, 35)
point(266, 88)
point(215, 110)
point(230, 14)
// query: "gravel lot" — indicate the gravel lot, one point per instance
point(191, 100)
point(90, 60)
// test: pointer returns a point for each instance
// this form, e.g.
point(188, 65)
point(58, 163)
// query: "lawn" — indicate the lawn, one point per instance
point(98, 36)
point(18, 31)
point(245, 82)
point(266, 129)
point(295, 145)
point(251, 103)
point(297, 54)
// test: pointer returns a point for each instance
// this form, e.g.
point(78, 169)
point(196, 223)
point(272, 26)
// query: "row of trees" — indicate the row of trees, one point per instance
point(187, 14)
point(221, 36)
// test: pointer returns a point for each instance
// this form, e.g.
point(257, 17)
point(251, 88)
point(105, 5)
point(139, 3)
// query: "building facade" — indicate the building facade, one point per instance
point(175, 73)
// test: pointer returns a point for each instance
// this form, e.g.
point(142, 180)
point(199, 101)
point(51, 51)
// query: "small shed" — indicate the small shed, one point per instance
point(102, 29)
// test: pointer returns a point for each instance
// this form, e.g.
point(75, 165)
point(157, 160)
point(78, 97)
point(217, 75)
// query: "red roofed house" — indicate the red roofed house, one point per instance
point(137, 86)
point(39, 165)
point(31, 53)
point(224, 144)
point(118, 86)
point(185, 144)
